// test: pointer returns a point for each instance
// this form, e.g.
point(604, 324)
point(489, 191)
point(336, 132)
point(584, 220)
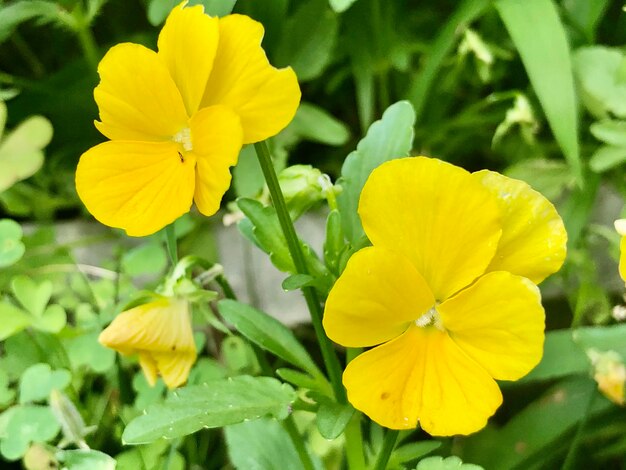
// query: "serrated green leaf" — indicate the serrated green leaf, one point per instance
point(308, 40)
point(261, 445)
point(82, 459)
point(39, 380)
point(332, 419)
point(389, 138)
point(267, 333)
point(211, 405)
point(532, 24)
point(27, 424)
point(11, 246)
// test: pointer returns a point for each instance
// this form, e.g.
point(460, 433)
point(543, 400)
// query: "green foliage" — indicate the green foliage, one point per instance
point(39, 380)
point(86, 460)
point(22, 425)
point(450, 463)
point(212, 404)
point(11, 246)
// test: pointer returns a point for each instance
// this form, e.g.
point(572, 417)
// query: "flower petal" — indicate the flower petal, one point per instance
point(174, 368)
point(161, 326)
point(217, 137)
point(499, 322)
point(187, 45)
point(149, 367)
point(265, 98)
point(436, 215)
point(136, 96)
point(376, 298)
point(138, 186)
point(533, 242)
point(422, 376)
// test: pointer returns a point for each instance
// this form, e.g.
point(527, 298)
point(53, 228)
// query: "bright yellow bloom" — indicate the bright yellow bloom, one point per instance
point(620, 226)
point(447, 291)
point(177, 119)
point(160, 333)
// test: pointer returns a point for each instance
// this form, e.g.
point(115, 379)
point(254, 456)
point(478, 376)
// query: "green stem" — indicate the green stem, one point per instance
point(354, 443)
point(389, 443)
point(170, 455)
point(27, 53)
point(170, 242)
point(290, 426)
point(295, 249)
point(88, 45)
point(570, 459)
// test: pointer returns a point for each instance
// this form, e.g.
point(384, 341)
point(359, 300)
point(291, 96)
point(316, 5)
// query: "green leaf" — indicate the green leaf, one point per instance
point(81, 459)
point(7, 394)
point(39, 380)
point(606, 158)
point(610, 132)
point(27, 423)
point(303, 380)
point(149, 258)
point(11, 246)
point(600, 73)
point(413, 451)
point(261, 445)
point(549, 177)
point(562, 356)
point(248, 178)
point(12, 320)
point(21, 151)
point(12, 15)
point(332, 419)
point(603, 338)
point(308, 40)
point(3, 117)
point(297, 281)
point(389, 138)
point(33, 297)
point(239, 357)
point(340, 6)
point(532, 24)
point(52, 320)
point(449, 463)
point(211, 405)
point(317, 125)
point(85, 351)
point(159, 9)
point(267, 333)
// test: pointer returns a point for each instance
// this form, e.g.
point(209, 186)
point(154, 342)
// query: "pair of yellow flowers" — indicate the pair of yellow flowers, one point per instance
point(446, 296)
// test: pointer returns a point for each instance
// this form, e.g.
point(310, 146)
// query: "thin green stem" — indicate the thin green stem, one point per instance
point(389, 442)
point(570, 459)
point(28, 54)
point(298, 441)
point(88, 45)
point(170, 242)
point(354, 443)
point(170, 455)
point(295, 249)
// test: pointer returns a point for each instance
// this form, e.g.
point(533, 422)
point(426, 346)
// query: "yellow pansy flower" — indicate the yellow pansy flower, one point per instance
point(160, 333)
point(447, 292)
point(177, 119)
point(620, 226)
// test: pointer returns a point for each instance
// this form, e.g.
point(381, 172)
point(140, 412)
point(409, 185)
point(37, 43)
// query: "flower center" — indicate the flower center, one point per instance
point(183, 137)
point(430, 318)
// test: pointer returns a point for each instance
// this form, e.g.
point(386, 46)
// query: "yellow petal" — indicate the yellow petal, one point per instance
point(217, 136)
point(137, 98)
point(499, 322)
point(375, 299)
point(436, 215)
point(265, 98)
point(160, 332)
point(533, 242)
point(187, 45)
point(138, 186)
point(422, 376)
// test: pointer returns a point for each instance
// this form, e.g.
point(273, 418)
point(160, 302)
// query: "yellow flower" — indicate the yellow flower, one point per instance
point(160, 333)
point(620, 226)
point(610, 374)
point(177, 119)
point(447, 291)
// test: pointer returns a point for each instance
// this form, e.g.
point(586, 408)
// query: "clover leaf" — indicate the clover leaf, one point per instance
point(39, 380)
point(11, 246)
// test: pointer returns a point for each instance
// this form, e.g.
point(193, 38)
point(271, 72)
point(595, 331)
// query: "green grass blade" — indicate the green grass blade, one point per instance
point(538, 34)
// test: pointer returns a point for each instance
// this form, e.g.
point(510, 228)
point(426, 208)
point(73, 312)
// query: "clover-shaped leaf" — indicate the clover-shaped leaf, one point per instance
point(21, 151)
point(39, 380)
point(34, 298)
point(6, 394)
point(11, 246)
point(12, 320)
point(26, 424)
